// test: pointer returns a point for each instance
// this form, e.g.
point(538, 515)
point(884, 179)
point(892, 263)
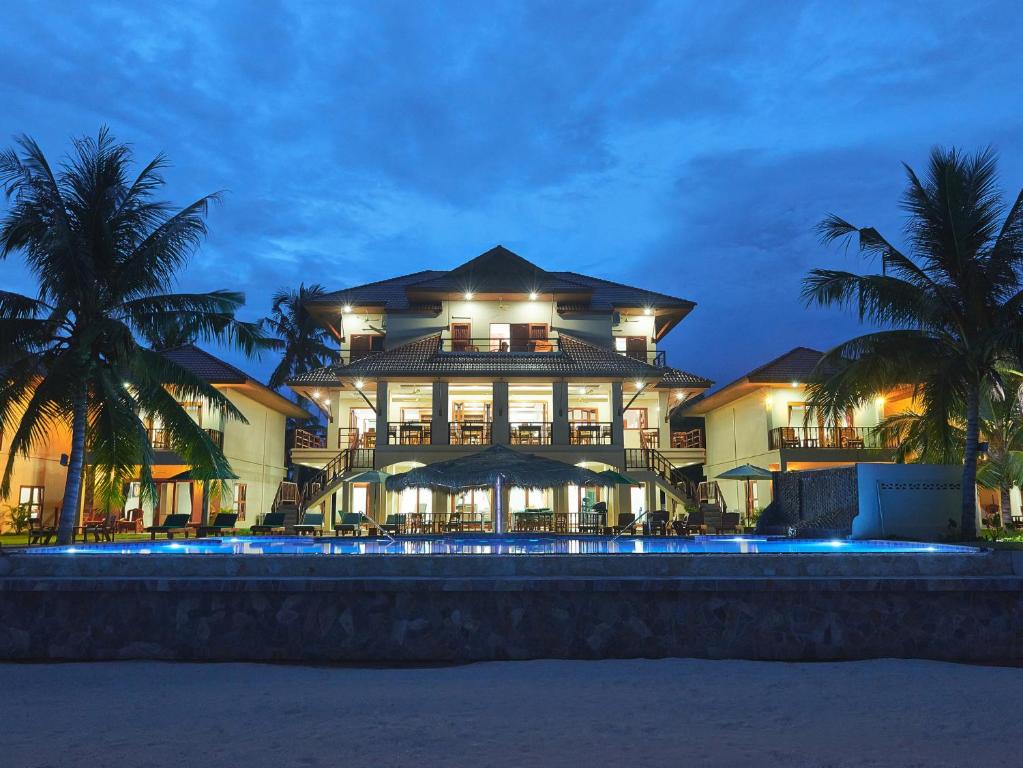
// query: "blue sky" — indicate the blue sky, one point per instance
point(684, 147)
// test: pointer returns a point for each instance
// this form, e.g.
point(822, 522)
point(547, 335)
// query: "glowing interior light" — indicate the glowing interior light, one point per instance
point(795, 383)
point(639, 384)
point(468, 295)
point(769, 401)
point(680, 396)
point(347, 308)
point(316, 394)
point(359, 383)
point(532, 296)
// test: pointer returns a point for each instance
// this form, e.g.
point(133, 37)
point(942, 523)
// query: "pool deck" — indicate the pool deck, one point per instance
point(455, 608)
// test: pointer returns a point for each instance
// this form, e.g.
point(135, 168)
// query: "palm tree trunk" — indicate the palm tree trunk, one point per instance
point(76, 461)
point(969, 511)
point(1006, 505)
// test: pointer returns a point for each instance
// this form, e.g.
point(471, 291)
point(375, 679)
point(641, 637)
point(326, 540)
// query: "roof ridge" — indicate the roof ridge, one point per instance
point(430, 272)
point(780, 357)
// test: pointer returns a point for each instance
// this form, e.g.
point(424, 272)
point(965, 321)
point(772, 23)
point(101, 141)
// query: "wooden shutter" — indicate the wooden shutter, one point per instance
point(635, 347)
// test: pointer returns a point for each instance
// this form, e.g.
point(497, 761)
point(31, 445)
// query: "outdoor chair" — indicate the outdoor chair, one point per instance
point(172, 525)
point(789, 438)
point(272, 522)
point(626, 521)
point(39, 533)
point(350, 522)
point(312, 523)
point(131, 522)
point(223, 524)
point(656, 523)
point(392, 524)
point(454, 523)
point(678, 525)
point(729, 522)
point(102, 529)
point(695, 523)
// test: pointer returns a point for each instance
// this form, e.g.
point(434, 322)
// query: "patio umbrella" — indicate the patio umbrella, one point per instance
point(611, 477)
point(495, 468)
point(749, 473)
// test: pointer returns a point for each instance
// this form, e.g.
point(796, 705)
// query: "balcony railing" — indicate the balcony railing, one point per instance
point(691, 439)
point(589, 433)
point(470, 433)
point(306, 439)
point(530, 432)
point(654, 357)
point(349, 437)
point(840, 438)
point(408, 433)
point(499, 346)
point(159, 438)
point(216, 436)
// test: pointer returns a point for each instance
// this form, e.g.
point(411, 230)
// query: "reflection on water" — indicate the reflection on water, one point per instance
point(502, 545)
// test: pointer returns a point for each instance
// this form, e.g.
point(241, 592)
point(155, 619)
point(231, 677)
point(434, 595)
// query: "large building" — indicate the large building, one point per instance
point(439, 364)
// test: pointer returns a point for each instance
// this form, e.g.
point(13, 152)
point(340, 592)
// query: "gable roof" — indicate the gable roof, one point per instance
point(216, 371)
point(796, 365)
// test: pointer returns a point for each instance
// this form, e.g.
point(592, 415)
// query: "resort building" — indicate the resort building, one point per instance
point(255, 450)
point(762, 419)
point(498, 351)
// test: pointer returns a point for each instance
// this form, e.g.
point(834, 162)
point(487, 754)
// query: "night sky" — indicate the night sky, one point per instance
point(686, 148)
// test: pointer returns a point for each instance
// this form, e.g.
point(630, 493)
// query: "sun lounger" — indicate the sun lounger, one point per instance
point(39, 533)
point(224, 524)
point(729, 522)
point(350, 522)
point(626, 522)
point(392, 524)
point(312, 523)
point(172, 525)
point(273, 522)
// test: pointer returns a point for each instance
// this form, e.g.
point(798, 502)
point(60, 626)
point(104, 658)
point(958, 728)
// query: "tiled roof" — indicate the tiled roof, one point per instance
point(206, 366)
point(318, 377)
point(795, 365)
point(424, 357)
point(673, 377)
point(500, 269)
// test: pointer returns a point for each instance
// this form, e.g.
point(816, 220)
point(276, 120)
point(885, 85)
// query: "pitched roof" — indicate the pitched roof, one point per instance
point(318, 377)
point(216, 371)
point(674, 378)
point(496, 271)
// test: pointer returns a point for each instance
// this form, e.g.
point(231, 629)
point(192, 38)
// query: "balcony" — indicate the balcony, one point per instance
point(656, 358)
point(305, 439)
point(159, 438)
point(690, 439)
point(349, 437)
point(470, 433)
point(408, 433)
point(530, 432)
point(826, 438)
point(589, 433)
point(498, 346)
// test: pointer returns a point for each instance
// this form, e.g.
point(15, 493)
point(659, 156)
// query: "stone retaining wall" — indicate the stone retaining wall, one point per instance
point(954, 607)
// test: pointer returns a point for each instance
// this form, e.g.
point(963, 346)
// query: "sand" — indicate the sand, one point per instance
point(538, 713)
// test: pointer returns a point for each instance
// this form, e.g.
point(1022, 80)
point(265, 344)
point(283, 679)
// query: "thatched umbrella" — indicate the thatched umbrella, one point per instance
point(496, 467)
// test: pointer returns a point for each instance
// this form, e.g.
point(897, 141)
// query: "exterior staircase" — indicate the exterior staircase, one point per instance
point(666, 475)
point(345, 464)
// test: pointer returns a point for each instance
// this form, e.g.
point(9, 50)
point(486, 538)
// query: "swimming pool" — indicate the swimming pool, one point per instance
point(503, 545)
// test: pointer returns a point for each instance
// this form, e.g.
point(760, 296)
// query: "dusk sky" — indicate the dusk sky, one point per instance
point(685, 148)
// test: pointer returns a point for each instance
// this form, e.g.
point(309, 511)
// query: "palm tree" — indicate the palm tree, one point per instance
point(950, 310)
point(1000, 423)
point(303, 341)
point(105, 253)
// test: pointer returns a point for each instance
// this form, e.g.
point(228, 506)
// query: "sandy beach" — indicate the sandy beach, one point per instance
point(540, 713)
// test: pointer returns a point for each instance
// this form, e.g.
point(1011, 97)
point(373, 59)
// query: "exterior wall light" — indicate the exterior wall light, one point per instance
point(769, 401)
point(795, 384)
point(532, 295)
point(316, 394)
point(347, 308)
point(327, 401)
point(639, 384)
point(879, 401)
point(359, 383)
point(468, 295)
point(647, 311)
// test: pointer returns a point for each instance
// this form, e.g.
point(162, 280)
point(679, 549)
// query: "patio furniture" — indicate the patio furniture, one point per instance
point(223, 524)
point(350, 522)
point(626, 521)
point(39, 533)
point(174, 524)
point(594, 519)
point(392, 524)
point(729, 523)
point(132, 521)
point(312, 524)
point(272, 522)
point(100, 529)
point(656, 523)
point(849, 439)
point(696, 523)
point(678, 525)
point(788, 437)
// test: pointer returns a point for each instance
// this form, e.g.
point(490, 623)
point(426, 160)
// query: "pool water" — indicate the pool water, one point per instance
point(503, 545)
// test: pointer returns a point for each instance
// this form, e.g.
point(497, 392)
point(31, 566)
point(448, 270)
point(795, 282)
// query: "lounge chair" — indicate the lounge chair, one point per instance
point(312, 523)
point(224, 524)
point(454, 523)
point(272, 522)
point(131, 522)
point(626, 522)
point(695, 523)
point(350, 522)
point(171, 525)
point(39, 533)
point(729, 522)
point(678, 525)
point(392, 524)
point(656, 523)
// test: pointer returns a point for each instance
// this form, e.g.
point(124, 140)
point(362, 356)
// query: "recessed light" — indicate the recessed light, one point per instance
point(532, 296)
point(468, 295)
point(347, 308)
point(359, 383)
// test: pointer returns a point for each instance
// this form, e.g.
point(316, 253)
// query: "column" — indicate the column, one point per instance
point(381, 413)
point(500, 428)
point(439, 433)
point(617, 415)
point(664, 421)
point(559, 429)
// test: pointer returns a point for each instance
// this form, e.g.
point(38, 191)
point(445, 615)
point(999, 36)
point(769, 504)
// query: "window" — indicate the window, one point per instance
point(363, 344)
point(635, 418)
point(32, 497)
point(582, 414)
point(461, 337)
point(240, 500)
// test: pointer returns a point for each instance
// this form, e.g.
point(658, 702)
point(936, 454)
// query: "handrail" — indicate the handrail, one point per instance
point(654, 461)
point(830, 437)
point(590, 432)
point(345, 461)
point(530, 432)
point(630, 525)
point(409, 432)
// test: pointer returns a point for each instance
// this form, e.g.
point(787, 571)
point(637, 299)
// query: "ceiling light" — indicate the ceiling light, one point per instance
point(347, 308)
point(647, 311)
point(316, 394)
point(639, 384)
point(327, 401)
point(795, 383)
point(532, 295)
point(359, 383)
point(468, 295)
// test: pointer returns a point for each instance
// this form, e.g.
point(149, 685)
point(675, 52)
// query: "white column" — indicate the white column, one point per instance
point(439, 429)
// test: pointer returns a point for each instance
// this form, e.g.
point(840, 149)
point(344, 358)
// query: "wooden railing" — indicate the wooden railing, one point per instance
point(159, 438)
point(530, 432)
point(841, 438)
point(287, 493)
point(656, 462)
point(655, 357)
point(470, 433)
point(343, 463)
point(691, 439)
point(498, 346)
point(349, 437)
point(306, 439)
point(590, 432)
point(408, 433)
